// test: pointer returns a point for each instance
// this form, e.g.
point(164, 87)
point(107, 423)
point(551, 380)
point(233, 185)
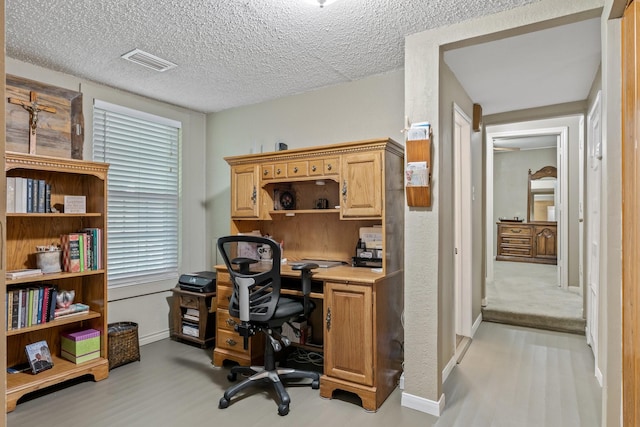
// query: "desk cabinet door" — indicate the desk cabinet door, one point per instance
point(361, 185)
point(348, 334)
point(245, 192)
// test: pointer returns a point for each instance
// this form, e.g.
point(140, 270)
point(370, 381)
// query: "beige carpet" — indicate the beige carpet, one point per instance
point(527, 294)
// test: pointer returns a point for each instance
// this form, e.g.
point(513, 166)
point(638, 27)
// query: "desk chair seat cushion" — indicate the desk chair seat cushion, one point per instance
point(288, 308)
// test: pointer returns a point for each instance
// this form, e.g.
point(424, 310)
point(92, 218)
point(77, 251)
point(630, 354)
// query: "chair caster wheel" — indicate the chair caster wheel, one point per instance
point(315, 384)
point(224, 403)
point(283, 410)
point(232, 376)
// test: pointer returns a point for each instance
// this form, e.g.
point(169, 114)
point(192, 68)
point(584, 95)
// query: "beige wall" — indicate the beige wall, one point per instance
point(453, 93)
point(424, 304)
point(364, 109)
point(146, 304)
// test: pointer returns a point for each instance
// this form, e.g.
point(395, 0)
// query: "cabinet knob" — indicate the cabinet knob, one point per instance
point(254, 195)
point(329, 167)
point(265, 173)
point(313, 168)
point(344, 190)
point(231, 322)
point(278, 171)
point(295, 170)
point(231, 342)
point(328, 319)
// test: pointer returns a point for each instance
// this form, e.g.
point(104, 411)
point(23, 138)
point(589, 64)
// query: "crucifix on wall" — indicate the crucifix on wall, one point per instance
point(33, 108)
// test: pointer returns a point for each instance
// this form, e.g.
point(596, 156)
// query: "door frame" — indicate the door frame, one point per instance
point(594, 177)
point(562, 134)
point(463, 250)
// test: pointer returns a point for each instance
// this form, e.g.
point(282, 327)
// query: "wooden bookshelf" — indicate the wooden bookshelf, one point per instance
point(25, 231)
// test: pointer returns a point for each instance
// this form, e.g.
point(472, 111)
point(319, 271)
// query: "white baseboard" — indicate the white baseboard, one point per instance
point(447, 369)
point(401, 385)
point(157, 336)
point(476, 325)
point(423, 405)
point(598, 376)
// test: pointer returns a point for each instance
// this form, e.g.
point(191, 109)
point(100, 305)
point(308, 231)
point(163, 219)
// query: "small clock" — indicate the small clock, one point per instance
point(287, 201)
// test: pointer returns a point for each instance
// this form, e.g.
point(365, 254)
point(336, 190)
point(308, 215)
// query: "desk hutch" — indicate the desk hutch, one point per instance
point(356, 323)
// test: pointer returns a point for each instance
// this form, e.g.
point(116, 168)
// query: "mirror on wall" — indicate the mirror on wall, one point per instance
point(541, 194)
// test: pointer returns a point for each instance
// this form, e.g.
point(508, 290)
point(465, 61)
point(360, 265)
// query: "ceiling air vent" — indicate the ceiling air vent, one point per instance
point(148, 60)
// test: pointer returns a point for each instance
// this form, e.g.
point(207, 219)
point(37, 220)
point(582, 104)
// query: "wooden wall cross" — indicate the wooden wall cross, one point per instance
point(33, 108)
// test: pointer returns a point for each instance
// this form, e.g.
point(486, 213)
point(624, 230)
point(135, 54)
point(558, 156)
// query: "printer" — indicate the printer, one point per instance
point(202, 281)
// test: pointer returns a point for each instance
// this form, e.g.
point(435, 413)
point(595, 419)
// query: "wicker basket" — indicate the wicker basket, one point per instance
point(123, 344)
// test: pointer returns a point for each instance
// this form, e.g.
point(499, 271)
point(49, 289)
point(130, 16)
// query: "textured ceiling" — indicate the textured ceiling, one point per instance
point(229, 53)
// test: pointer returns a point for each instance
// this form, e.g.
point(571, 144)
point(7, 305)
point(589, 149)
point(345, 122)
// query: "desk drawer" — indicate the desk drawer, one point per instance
point(225, 321)
point(230, 340)
point(516, 241)
point(223, 296)
point(188, 301)
point(515, 230)
point(297, 169)
point(521, 251)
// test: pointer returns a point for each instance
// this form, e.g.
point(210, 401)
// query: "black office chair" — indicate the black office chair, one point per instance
point(257, 302)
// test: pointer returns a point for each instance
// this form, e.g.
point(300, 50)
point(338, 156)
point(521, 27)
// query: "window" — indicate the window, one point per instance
point(143, 151)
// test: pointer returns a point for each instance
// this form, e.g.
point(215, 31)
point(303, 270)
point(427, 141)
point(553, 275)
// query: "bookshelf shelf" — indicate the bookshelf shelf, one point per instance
point(22, 383)
point(26, 231)
point(54, 215)
point(53, 276)
point(65, 320)
point(304, 211)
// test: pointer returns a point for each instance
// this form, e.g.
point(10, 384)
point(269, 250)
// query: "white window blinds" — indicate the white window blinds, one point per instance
point(143, 151)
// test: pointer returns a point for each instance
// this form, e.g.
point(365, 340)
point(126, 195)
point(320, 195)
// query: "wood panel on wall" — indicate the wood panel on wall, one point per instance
point(630, 218)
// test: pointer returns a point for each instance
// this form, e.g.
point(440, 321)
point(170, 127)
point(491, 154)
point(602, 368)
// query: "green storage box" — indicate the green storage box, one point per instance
point(81, 346)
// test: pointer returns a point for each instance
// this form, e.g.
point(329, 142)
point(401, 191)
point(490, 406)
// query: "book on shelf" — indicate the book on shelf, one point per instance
point(40, 203)
point(76, 308)
point(39, 356)
point(25, 272)
point(29, 191)
point(71, 252)
point(11, 194)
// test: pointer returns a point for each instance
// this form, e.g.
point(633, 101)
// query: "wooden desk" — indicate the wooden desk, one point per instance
point(356, 322)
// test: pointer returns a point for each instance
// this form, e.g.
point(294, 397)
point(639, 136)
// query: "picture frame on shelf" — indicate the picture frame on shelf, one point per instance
point(39, 356)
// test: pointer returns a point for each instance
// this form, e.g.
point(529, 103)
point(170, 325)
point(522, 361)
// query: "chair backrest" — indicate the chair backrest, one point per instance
point(240, 255)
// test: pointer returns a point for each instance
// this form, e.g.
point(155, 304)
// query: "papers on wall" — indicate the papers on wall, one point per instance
point(417, 174)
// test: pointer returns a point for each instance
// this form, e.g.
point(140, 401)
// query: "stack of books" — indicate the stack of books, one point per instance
point(28, 195)
point(30, 306)
point(82, 251)
point(190, 322)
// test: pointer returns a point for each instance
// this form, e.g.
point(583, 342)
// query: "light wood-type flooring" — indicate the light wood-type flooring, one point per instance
point(510, 377)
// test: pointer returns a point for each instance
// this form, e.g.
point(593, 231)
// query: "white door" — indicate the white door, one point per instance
point(594, 179)
point(462, 209)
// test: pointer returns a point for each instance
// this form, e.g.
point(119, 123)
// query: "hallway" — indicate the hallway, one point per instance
point(526, 294)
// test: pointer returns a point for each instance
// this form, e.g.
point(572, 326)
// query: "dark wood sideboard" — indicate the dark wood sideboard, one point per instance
point(534, 242)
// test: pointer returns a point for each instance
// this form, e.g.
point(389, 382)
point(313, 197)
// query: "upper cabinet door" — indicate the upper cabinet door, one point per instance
point(245, 191)
point(361, 185)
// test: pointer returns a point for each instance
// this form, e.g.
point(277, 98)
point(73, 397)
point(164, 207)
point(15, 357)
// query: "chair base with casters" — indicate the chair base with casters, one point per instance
point(267, 374)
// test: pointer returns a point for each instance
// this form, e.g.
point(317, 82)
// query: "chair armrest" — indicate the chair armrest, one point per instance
point(305, 275)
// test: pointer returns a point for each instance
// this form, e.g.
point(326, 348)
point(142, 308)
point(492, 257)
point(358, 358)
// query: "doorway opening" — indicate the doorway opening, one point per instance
point(530, 279)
